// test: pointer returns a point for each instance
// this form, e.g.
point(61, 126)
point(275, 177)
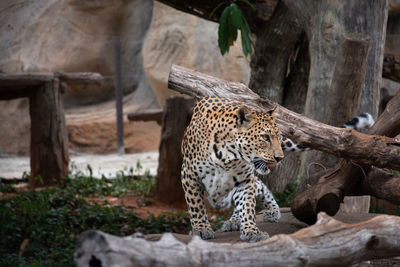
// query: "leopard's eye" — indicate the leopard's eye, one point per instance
point(266, 137)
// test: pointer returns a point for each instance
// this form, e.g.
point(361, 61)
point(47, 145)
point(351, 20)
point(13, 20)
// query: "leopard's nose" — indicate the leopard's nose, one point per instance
point(278, 159)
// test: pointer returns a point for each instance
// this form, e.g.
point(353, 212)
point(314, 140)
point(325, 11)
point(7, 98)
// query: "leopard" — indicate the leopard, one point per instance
point(226, 147)
point(223, 147)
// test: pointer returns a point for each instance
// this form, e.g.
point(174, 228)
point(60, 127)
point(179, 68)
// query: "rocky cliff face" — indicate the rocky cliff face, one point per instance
point(78, 36)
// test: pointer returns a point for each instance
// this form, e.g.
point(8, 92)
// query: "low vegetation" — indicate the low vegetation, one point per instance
point(40, 228)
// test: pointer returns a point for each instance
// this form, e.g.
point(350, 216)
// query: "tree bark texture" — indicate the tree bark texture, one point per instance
point(327, 243)
point(295, 93)
point(49, 140)
point(349, 178)
point(177, 115)
point(326, 22)
point(275, 43)
point(374, 150)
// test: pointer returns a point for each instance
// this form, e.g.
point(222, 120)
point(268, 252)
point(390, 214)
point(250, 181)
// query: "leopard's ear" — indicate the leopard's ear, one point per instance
point(272, 111)
point(245, 117)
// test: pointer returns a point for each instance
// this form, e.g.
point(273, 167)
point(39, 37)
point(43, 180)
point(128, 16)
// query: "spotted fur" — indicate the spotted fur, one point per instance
point(223, 147)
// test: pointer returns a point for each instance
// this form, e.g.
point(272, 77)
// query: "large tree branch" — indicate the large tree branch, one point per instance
point(328, 242)
point(375, 150)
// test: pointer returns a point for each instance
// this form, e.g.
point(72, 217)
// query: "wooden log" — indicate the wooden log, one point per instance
point(49, 141)
point(349, 178)
point(327, 243)
point(147, 115)
point(374, 150)
point(177, 115)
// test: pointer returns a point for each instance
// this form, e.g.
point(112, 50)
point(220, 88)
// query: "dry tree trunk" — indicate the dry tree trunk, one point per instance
point(374, 150)
point(274, 45)
point(329, 242)
point(177, 114)
point(295, 93)
point(49, 140)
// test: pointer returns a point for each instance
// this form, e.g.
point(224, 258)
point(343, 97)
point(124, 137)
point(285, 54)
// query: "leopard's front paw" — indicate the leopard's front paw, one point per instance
point(231, 225)
point(271, 215)
point(204, 233)
point(253, 235)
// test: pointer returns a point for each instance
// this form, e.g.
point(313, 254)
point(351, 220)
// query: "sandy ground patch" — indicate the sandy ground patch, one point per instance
point(107, 165)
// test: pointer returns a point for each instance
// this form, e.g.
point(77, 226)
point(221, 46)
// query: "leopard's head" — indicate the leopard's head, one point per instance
point(258, 138)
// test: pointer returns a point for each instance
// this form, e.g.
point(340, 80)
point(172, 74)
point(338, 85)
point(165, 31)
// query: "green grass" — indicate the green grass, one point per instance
point(52, 219)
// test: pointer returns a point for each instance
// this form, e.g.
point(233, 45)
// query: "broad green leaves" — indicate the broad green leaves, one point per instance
point(232, 20)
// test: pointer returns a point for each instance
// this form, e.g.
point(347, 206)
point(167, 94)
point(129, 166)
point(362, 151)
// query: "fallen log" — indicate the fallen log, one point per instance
point(327, 243)
point(362, 148)
point(350, 178)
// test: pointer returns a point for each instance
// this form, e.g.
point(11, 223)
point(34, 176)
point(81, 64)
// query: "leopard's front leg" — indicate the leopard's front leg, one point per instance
point(247, 211)
point(271, 212)
point(195, 202)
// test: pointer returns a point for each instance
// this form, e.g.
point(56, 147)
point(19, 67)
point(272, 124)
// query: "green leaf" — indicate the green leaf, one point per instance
point(235, 16)
point(246, 41)
point(223, 31)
